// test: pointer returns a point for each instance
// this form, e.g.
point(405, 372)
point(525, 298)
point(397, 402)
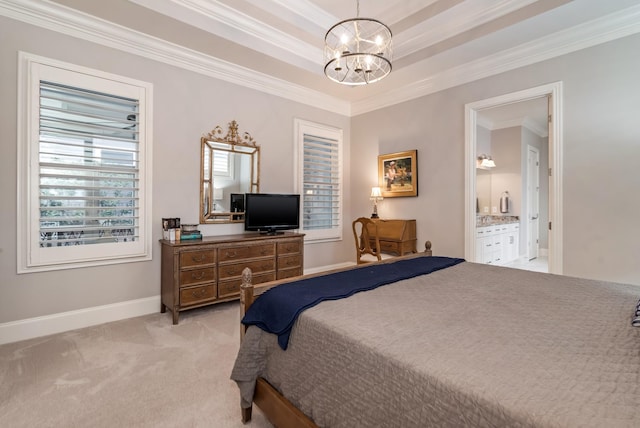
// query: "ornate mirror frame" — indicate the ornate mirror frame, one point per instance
point(229, 168)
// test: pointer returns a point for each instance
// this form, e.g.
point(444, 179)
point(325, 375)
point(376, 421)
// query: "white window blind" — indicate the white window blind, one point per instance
point(321, 183)
point(84, 171)
point(221, 163)
point(88, 163)
point(320, 180)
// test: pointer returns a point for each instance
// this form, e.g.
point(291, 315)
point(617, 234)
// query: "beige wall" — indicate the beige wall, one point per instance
point(601, 174)
point(186, 105)
point(602, 148)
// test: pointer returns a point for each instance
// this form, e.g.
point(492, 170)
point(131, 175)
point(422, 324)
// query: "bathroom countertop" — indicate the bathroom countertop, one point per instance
point(488, 220)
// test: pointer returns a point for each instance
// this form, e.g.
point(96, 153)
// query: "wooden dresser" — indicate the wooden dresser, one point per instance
point(209, 271)
point(397, 237)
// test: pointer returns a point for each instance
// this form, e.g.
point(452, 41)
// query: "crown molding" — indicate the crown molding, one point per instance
point(218, 18)
point(55, 17)
point(71, 22)
point(484, 122)
point(524, 122)
point(601, 30)
point(534, 127)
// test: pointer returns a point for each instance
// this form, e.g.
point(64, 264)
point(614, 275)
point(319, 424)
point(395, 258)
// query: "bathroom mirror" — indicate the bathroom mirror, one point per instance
point(229, 168)
point(483, 190)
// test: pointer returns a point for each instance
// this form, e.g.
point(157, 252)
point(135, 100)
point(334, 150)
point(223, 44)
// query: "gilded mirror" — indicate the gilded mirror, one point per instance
point(229, 168)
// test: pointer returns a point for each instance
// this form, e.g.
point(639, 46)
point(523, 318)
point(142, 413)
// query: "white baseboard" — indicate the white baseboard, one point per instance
point(329, 267)
point(50, 324)
point(57, 323)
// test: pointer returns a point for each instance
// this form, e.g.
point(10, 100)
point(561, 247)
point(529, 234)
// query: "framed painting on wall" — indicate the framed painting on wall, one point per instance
point(398, 174)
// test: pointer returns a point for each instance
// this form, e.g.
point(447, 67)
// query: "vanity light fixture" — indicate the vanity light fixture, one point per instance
point(357, 51)
point(376, 196)
point(486, 162)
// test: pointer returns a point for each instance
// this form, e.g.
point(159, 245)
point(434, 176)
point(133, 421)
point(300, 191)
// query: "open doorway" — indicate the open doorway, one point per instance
point(512, 195)
point(531, 183)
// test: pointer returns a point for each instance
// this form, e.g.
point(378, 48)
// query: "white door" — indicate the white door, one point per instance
point(533, 200)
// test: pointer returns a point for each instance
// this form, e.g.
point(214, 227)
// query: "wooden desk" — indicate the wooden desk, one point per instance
point(397, 237)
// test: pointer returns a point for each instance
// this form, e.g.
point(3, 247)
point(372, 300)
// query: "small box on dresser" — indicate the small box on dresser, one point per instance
point(209, 271)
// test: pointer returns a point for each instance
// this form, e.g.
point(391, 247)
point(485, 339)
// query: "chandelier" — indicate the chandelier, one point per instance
point(357, 51)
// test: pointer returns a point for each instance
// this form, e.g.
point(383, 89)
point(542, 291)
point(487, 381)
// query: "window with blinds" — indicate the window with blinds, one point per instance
point(89, 170)
point(85, 173)
point(222, 164)
point(320, 183)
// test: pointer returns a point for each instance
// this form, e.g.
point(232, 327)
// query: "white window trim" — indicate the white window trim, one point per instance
point(302, 127)
point(27, 204)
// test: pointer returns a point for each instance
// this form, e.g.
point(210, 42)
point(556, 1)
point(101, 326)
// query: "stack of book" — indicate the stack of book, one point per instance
point(192, 234)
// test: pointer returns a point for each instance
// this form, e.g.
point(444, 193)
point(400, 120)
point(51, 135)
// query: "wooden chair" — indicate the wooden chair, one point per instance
point(365, 232)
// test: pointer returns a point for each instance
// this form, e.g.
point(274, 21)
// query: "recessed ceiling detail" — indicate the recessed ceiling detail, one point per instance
point(276, 46)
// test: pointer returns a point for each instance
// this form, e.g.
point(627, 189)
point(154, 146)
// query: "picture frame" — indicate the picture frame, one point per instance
point(398, 174)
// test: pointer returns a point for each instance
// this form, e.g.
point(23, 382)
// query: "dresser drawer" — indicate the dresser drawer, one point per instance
point(292, 247)
point(388, 246)
point(209, 270)
point(195, 295)
point(195, 276)
point(289, 273)
point(246, 252)
point(231, 287)
point(197, 258)
point(235, 269)
point(285, 262)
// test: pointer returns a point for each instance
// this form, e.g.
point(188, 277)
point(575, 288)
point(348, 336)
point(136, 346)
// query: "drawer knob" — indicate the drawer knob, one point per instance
point(198, 258)
point(231, 254)
point(199, 293)
point(232, 271)
point(198, 275)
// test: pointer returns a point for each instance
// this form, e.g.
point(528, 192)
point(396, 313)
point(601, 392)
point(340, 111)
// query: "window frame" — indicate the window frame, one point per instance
point(31, 257)
point(302, 128)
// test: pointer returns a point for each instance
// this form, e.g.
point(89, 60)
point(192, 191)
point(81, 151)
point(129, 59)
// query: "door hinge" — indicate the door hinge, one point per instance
point(549, 172)
point(549, 118)
point(549, 225)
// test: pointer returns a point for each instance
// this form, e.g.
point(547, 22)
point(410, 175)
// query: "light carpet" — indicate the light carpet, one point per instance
point(138, 372)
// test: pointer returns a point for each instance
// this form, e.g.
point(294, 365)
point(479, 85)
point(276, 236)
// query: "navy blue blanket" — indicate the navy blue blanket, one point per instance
point(277, 309)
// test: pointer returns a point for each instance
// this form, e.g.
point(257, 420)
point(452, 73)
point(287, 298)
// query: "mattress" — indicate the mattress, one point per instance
point(470, 345)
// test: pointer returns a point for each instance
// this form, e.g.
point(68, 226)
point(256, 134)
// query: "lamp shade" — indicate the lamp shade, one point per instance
point(376, 193)
point(218, 194)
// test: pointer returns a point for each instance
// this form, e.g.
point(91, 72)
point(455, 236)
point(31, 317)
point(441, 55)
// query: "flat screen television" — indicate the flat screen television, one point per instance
point(271, 213)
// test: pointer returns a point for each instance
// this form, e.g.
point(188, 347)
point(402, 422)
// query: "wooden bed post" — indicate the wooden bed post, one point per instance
point(246, 300)
point(427, 248)
point(246, 297)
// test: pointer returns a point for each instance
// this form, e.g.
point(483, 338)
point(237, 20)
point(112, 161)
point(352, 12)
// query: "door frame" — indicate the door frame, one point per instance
point(554, 91)
point(532, 234)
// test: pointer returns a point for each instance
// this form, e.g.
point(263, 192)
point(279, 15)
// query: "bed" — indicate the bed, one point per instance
point(465, 345)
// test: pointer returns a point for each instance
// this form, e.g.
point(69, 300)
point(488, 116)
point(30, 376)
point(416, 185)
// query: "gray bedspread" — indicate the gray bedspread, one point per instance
point(471, 345)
